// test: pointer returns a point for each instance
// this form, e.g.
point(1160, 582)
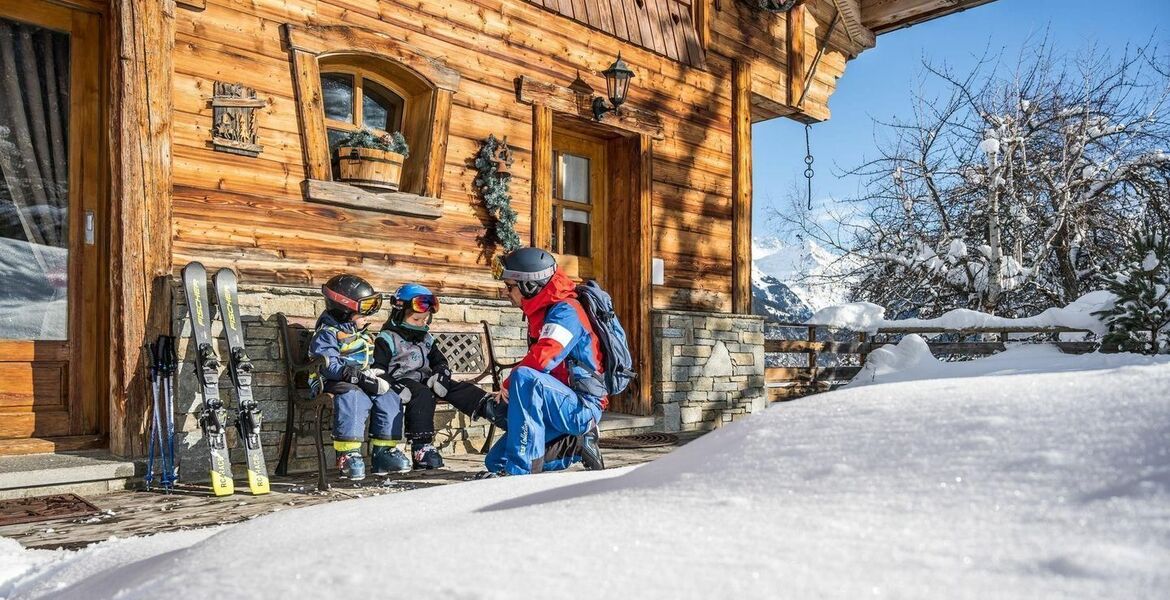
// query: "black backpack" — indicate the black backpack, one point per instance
point(611, 337)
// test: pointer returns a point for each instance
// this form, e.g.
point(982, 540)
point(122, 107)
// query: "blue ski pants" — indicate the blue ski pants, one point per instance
point(540, 409)
point(352, 406)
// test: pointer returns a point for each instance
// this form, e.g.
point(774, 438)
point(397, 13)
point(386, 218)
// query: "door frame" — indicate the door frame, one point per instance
point(85, 379)
point(628, 226)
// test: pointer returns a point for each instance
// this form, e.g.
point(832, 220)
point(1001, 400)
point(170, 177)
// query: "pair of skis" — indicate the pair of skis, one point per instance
point(213, 415)
point(161, 355)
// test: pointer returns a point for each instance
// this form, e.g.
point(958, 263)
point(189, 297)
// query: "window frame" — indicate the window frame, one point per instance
point(430, 85)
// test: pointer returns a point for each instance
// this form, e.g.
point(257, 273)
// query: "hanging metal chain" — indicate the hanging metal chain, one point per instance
point(808, 162)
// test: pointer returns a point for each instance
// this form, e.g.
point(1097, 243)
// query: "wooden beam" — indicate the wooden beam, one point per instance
point(797, 57)
point(140, 133)
point(702, 18)
point(542, 163)
point(644, 348)
point(436, 150)
point(564, 100)
point(741, 187)
point(850, 11)
point(311, 112)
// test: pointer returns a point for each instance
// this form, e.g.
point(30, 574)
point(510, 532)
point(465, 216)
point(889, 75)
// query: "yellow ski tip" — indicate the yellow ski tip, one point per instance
point(257, 483)
point(220, 485)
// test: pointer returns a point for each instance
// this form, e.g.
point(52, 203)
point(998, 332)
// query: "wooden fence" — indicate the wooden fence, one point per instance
point(787, 383)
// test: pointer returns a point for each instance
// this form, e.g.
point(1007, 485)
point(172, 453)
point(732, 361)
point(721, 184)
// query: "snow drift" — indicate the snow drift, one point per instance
point(1010, 482)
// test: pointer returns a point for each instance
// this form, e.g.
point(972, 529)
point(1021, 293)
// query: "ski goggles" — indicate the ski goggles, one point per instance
point(364, 306)
point(423, 304)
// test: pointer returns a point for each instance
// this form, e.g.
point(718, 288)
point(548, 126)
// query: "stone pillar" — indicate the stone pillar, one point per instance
point(708, 368)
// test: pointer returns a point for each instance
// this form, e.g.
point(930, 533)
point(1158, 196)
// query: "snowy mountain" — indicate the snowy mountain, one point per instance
point(787, 278)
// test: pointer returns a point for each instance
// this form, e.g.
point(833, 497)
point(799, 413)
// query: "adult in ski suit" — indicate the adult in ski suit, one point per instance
point(555, 393)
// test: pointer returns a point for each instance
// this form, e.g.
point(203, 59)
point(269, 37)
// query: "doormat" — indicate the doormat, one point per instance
point(640, 440)
point(44, 508)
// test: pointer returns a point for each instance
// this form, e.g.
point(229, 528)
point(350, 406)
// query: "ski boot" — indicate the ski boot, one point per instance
point(590, 443)
point(389, 459)
point(351, 465)
point(427, 457)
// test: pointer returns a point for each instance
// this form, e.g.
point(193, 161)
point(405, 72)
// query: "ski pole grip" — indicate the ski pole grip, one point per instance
point(168, 353)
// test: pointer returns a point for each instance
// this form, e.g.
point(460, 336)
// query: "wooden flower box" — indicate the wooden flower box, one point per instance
point(370, 167)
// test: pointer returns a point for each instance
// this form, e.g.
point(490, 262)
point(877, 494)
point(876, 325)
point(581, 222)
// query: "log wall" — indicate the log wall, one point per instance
point(250, 213)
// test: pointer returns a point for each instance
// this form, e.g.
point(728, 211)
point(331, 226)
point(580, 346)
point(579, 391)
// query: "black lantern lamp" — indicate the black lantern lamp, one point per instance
point(617, 83)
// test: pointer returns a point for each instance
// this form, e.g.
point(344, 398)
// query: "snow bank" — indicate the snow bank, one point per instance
point(1036, 484)
point(864, 316)
point(911, 360)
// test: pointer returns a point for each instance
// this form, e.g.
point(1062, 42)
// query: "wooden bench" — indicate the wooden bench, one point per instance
point(468, 349)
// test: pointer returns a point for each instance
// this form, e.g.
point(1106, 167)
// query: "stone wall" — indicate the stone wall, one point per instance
point(708, 368)
point(258, 307)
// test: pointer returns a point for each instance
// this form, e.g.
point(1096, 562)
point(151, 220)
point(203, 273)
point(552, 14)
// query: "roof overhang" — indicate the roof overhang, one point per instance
point(884, 16)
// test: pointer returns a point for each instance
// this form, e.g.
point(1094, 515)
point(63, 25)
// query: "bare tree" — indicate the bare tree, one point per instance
point(1010, 193)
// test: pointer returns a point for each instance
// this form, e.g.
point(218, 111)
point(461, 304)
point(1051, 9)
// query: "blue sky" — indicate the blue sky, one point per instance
point(880, 83)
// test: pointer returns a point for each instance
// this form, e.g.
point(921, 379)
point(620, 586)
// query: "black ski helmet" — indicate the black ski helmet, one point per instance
point(346, 294)
point(530, 268)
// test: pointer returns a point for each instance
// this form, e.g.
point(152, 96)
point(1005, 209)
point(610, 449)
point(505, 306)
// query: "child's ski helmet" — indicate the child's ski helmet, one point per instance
point(414, 297)
point(348, 294)
point(530, 268)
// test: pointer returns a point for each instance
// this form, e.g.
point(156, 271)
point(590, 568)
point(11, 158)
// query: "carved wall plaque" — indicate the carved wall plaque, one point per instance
point(233, 113)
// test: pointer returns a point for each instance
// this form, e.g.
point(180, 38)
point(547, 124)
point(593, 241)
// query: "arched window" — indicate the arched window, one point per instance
point(356, 98)
point(348, 78)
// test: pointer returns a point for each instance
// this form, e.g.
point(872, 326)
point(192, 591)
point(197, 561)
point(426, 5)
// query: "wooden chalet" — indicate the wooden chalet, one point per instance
point(139, 135)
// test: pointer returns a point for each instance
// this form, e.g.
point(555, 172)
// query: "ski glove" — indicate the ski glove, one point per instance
point(440, 382)
point(372, 383)
point(399, 387)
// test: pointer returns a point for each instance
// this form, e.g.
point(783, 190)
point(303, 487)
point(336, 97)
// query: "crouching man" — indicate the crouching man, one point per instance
point(555, 395)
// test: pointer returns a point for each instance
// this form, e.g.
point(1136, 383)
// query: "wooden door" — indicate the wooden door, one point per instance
point(51, 207)
point(579, 198)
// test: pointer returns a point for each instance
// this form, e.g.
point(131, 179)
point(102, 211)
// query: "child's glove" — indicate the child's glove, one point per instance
point(440, 382)
point(372, 383)
point(399, 387)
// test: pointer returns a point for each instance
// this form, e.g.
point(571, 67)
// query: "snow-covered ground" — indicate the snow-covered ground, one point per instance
point(1028, 475)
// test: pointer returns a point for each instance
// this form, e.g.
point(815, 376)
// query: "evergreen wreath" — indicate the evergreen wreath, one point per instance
point(493, 189)
point(1139, 320)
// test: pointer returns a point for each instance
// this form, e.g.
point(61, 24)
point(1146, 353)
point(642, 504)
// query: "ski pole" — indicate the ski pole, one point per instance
point(171, 364)
point(155, 429)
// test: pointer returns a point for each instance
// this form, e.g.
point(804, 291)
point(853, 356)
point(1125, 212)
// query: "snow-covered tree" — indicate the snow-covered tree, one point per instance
point(1012, 192)
point(1139, 320)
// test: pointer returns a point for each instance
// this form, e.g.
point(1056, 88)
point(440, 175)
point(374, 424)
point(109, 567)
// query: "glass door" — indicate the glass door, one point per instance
point(49, 192)
point(578, 205)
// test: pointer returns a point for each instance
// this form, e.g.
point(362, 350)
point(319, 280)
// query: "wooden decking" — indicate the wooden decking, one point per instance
point(133, 513)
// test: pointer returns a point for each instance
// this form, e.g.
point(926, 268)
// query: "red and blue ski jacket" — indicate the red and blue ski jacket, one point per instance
point(561, 339)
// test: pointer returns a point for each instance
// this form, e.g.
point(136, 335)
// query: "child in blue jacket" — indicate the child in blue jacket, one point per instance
point(343, 339)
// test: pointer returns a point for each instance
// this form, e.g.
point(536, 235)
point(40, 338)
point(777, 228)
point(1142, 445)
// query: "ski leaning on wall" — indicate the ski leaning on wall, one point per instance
point(212, 416)
point(240, 366)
